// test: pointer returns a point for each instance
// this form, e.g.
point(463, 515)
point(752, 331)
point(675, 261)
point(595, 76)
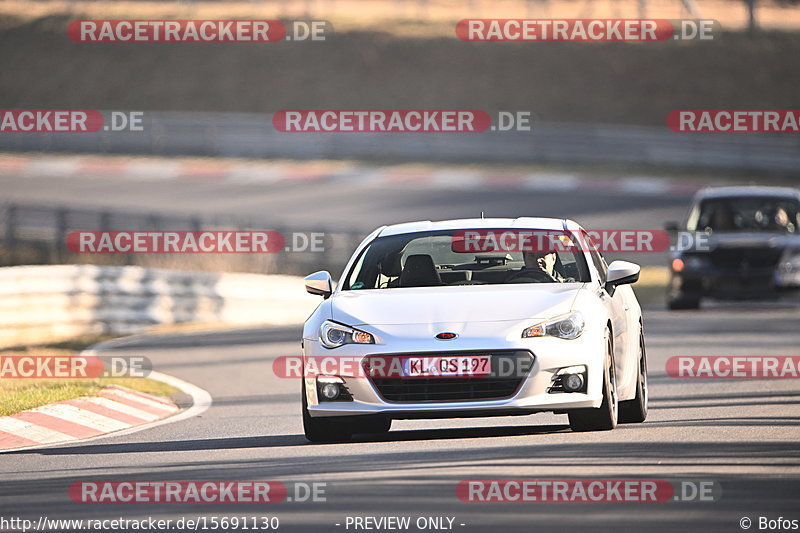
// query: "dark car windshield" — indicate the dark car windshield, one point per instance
point(429, 259)
point(750, 214)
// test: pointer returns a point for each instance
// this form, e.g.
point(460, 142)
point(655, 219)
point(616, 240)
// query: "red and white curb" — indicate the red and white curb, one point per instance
point(267, 172)
point(116, 410)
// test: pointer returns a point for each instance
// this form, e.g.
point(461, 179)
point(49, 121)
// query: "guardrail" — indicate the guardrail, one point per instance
point(252, 135)
point(41, 304)
point(37, 234)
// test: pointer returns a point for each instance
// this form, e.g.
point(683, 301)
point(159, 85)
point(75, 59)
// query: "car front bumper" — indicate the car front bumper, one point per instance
point(532, 394)
point(731, 283)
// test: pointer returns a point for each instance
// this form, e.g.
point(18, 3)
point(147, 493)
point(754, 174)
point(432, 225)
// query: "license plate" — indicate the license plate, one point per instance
point(462, 365)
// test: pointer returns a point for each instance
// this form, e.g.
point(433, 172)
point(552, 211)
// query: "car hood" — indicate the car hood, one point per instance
point(752, 240)
point(426, 305)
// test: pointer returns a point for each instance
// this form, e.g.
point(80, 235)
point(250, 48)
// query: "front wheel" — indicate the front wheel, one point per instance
point(682, 303)
point(635, 410)
point(604, 417)
point(680, 297)
point(328, 429)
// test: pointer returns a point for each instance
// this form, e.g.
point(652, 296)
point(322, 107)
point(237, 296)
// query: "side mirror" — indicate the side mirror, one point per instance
point(319, 284)
point(671, 225)
point(621, 273)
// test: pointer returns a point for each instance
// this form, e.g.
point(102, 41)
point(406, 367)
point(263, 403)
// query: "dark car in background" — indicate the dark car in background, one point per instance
point(746, 245)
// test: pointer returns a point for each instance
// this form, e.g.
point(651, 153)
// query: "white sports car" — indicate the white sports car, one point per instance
point(466, 318)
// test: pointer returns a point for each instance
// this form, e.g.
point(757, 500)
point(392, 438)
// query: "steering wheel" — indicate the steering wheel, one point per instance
point(531, 275)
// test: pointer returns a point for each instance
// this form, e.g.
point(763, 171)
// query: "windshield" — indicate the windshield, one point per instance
point(430, 259)
point(776, 215)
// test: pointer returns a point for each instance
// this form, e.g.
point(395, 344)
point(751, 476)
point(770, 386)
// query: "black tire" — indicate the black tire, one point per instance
point(683, 303)
point(635, 411)
point(605, 417)
point(334, 429)
point(683, 294)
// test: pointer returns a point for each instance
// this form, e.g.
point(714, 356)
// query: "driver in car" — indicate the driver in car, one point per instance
point(542, 262)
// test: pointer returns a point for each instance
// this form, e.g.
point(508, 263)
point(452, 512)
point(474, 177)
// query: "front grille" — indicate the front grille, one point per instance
point(509, 369)
point(734, 258)
point(750, 286)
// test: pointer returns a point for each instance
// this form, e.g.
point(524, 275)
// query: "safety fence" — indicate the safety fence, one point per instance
point(37, 234)
point(253, 135)
point(42, 304)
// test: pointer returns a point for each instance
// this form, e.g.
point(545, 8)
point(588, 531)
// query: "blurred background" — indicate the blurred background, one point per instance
point(209, 158)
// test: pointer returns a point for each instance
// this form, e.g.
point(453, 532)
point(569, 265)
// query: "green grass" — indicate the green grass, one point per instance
point(20, 394)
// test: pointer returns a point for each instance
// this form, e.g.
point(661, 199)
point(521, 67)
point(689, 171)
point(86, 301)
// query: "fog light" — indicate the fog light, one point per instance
point(330, 391)
point(573, 382)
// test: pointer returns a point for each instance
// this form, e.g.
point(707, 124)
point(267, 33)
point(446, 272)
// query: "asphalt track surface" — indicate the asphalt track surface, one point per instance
point(341, 206)
point(740, 434)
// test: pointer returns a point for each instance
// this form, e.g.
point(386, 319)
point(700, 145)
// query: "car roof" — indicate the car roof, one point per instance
point(747, 191)
point(552, 224)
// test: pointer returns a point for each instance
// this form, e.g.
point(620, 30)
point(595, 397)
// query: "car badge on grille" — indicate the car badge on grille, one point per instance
point(446, 336)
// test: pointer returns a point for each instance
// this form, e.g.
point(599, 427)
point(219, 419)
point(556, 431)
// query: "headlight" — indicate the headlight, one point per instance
point(564, 327)
point(694, 262)
point(333, 335)
point(790, 263)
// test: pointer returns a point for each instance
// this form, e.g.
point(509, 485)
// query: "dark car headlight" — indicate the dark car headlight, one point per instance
point(689, 262)
point(790, 262)
point(695, 262)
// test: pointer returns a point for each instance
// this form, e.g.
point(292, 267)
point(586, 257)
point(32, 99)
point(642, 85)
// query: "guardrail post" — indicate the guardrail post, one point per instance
point(105, 221)
point(752, 26)
point(280, 258)
point(60, 244)
point(11, 232)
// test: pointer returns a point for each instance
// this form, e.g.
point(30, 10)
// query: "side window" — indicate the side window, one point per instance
point(693, 219)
